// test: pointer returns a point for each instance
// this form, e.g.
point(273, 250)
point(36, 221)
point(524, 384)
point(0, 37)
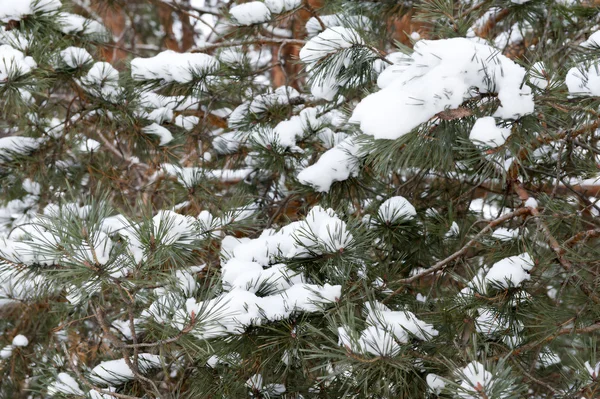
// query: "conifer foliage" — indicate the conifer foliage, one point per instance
point(299, 199)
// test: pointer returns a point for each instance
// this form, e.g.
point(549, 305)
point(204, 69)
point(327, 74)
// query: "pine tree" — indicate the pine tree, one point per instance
point(299, 199)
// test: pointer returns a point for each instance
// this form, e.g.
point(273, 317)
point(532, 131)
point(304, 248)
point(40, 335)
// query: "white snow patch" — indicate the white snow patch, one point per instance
point(486, 133)
point(254, 12)
point(441, 76)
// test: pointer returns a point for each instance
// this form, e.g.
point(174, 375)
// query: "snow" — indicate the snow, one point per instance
point(593, 42)
point(441, 76)
point(593, 371)
point(504, 234)
point(20, 340)
point(18, 9)
point(258, 289)
point(117, 371)
point(313, 26)
point(330, 41)
point(254, 12)
point(279, 6)
point(170, 66)
point(6, 352)
point(75, 57)
point(102, 80)
point(435, 383)
point(538, 75)
point(163, 133)
point(396, 208)
point(531, 203)
point(13, 63)
point(17, 145)
point(476, 379)
point(336, 164)
point(385, 331)
point(511, 271)
point(582, 80)
point(486, 133)
point(74, 23)
point(66, 385)
point(187, 122)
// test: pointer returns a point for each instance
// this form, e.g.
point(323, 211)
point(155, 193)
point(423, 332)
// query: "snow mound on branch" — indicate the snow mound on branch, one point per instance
point(336, 164)
point(254, 12)
point(75, 57)
point(325, 85)
point(74, 23)
point(476, 379)
point(118, 372)
point(510, 272)
point(385, 332)
point(17, 9)
point(313, 26)
point(279, 6)
point(327, 42)
point(171, 66)
point(485, 133)
point(102, 80)
point(17, 145)
point(584, 81)
point(396, 208)
point(65, 384)
point(441, 76)
point(13, 63)
point(256, 288)
point(163, 133)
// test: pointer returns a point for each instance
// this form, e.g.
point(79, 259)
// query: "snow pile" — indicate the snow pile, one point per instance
point(538, 76)
point(504, 234)
point(584, 81)
point(255, 383)
point(75, 57)
point(159, 108)
point(440, 76)
point(18, 9)
point(396, 208)
point(102, 80)
point(13, 63)
point(74, 23)
point(17, 145)
point(254, 12)
point(187, 122)
point(232, 312)
point(435, 383)
point(279, 6)
point(485, 133)
point(593, 371)
point(336, 164)
point(66, 385)
point(476, 379)
point(163, 133)
point(287, 132)
point(593, 41)
point(330, 41)
point(256, 287)
point(20, 340)
point(510, 272)
point(114, 372)
point(386, 330)
point(281, 96)
point(170, 66)
point(313, 26)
